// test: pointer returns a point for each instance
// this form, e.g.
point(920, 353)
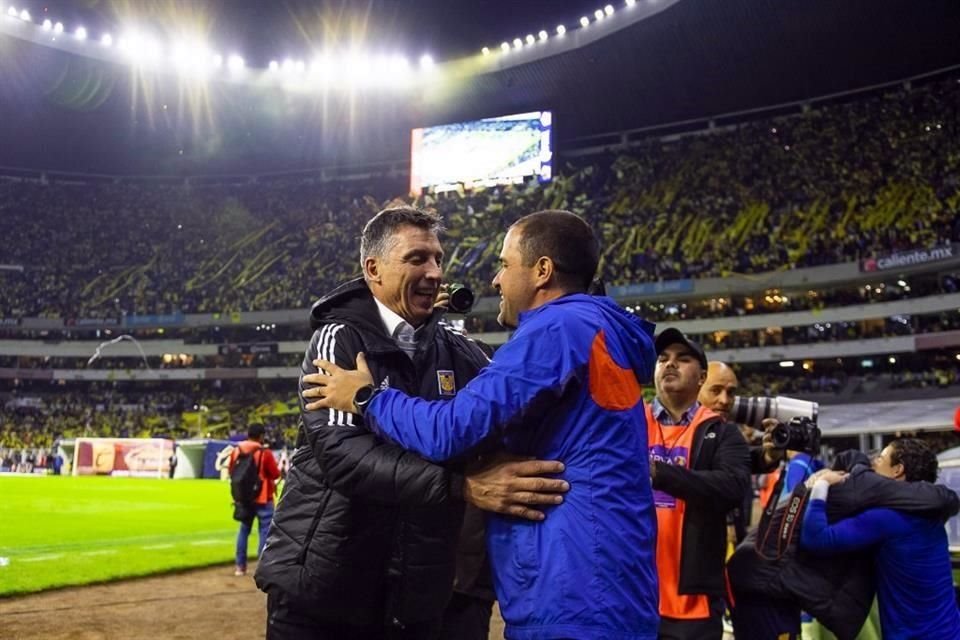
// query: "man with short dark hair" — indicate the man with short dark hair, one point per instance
point(566, 386)
point(914, 578)
point(365, 538)
point(263, 503)
point(700, 465)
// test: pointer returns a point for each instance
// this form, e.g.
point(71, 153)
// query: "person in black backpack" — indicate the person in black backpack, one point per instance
point(253, 475)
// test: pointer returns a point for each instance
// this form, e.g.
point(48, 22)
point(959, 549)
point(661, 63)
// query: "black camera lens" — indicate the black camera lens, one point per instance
point(461, 298)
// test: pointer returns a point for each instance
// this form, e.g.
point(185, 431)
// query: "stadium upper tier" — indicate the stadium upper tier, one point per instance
point(844, 182)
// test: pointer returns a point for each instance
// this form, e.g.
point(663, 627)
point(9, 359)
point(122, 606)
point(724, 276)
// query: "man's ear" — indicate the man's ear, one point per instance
point(898, 471)
point(545, 270)
point(371, 269)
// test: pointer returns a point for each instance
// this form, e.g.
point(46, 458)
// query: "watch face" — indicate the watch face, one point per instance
point(363, 395)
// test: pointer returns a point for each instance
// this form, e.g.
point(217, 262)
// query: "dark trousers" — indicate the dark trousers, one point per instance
point(761, 618)
point(466, 618)
point(288, 621)
point(701, 629)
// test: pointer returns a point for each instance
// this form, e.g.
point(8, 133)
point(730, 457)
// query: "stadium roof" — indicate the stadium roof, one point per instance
point(693, 59)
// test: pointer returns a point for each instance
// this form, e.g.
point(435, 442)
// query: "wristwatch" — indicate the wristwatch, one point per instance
point(362, 398)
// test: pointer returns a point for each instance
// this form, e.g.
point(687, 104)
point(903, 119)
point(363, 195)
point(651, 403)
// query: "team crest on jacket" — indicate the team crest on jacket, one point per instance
point(446, 383)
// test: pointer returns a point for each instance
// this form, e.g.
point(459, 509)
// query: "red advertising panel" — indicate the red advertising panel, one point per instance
point(142, 457)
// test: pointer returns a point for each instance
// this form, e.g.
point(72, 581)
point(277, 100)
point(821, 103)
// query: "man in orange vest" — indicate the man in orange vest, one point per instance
point(700, 469)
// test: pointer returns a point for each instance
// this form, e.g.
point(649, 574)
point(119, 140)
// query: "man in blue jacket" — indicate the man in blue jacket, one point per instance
point(566, 386)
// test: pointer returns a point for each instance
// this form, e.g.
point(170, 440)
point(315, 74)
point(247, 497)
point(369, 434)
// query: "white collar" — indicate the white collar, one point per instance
point(390, 319)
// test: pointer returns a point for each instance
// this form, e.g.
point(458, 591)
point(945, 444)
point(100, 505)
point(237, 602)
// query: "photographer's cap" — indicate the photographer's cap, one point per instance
point(671, 336)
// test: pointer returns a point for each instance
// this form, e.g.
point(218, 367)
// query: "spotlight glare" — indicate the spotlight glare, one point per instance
point(485, 51)
point(542, 35)
point(80, 33)
point(25, 15)
point(517, 43)
point(505, 47)
point(530, 39)
point(561, 29)
point(12, 12)
point(288, 65)
point(630, 3)
point(300, 66)
point(584, 21)
point(426, 61)
point(235, 63)
point(274, 65)
point(58, 27)
point(608, 9)
point(217, 60)
point(47, 25)
point(598, 14)
point(106, 40)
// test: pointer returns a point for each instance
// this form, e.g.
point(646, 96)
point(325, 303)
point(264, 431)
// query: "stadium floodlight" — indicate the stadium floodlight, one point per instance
point(300, 66)
point(398, 64)
point(273, 66)
point(235, 63)
point(530, 39)
point(80, 33)
point(47, 25)
point(25, 15)
point(608, 9)
point(561, 29)
point(517, 43)
point(584, 21)
point(288, 66)
point(58, 27)
point(598, 14)
point(630, 3)
point(12, 12)
point(485, 51)
point(217, 60)
point(505, 47)
point(542, 35)
point(107, 40)
point(426, 61)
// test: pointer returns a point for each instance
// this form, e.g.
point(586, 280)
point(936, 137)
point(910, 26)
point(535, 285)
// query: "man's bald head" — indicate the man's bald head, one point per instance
point(720, 388)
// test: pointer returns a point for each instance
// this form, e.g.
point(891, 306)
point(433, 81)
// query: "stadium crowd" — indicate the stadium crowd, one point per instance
point(839, 182)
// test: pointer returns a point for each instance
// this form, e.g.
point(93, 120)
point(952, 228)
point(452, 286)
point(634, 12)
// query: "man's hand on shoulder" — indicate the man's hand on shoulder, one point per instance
point(512, 485)
point(334, 386)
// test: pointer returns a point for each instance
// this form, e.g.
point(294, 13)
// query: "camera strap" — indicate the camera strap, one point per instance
point(782, 522)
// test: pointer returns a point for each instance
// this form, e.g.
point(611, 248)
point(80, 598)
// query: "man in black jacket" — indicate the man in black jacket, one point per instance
point(364, 541)
point(700, 466)
point(772, 579)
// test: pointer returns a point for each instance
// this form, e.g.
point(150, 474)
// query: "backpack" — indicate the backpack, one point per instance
point(245, 483)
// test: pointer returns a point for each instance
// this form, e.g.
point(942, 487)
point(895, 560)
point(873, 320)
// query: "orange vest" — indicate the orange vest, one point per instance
point(674, 445)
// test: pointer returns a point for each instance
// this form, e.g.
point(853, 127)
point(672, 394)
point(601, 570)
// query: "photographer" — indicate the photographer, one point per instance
point(719, 393)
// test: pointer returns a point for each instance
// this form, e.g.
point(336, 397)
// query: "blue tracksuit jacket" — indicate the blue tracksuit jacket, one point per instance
point(566, 387)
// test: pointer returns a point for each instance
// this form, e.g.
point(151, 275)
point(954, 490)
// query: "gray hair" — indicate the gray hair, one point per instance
point(375, 239)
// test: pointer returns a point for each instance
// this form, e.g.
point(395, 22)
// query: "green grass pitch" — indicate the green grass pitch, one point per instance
point(60, 531)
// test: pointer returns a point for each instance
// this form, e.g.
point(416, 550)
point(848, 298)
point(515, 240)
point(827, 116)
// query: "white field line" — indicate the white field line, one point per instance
point(43, 558)
point(99, 552)
point(155, 547)
point(206, 542)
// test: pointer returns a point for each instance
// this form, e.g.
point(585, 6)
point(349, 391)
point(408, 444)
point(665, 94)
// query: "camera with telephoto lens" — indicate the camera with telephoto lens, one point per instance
point(461, 298)
point(797, 431)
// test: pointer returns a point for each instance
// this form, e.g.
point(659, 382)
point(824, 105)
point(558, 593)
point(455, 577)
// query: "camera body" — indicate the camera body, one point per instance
point(797, 431)
point(799, 434)
point(461, 298)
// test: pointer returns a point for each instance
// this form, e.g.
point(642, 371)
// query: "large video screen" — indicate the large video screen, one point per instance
point(485, 152)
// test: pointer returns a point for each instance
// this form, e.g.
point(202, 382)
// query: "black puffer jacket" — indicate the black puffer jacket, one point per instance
point(365, 528)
